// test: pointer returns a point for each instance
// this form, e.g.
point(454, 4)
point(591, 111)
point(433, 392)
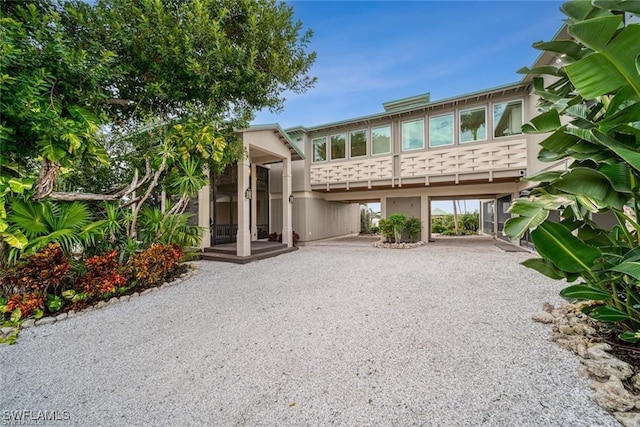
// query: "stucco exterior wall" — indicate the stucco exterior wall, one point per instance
point(316, 219)
point(407, 206)
point(297, 177)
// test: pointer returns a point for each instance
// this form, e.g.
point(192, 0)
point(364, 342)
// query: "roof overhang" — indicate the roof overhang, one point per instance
point(279, 133)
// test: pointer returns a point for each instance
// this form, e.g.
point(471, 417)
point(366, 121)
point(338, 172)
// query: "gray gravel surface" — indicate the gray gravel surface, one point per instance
point(332, 334)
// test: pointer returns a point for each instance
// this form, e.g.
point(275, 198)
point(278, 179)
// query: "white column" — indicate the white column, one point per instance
point(425, 217)
point(243, 238)
point(204, 212)
point(287, 215)
point(495, 218)
point(383, 207)
point(254, 203)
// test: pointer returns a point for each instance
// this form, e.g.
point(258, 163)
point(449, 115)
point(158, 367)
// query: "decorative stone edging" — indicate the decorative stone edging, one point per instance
point(386, 245)
point(49, 320)
point(574, 331)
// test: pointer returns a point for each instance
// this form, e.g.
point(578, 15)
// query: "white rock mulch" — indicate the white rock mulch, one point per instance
point(438, 335)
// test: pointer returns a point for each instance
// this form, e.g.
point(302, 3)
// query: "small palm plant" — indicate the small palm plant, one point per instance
point(69, 224)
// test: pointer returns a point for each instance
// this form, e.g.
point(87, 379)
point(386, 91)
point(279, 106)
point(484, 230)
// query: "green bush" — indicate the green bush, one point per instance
point(413, 226)
point(397, 223)
point(468, 223)
point(386, 229)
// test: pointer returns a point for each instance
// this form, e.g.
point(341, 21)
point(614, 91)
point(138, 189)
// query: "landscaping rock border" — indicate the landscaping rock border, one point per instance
point(575, 331)
point(387, 245)
point(49, 320)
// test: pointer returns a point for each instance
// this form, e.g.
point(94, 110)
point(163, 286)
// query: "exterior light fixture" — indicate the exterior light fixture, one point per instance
point(290, 198)
point(247, 194)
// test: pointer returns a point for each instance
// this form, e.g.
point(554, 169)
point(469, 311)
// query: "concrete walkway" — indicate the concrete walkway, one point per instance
point(327, 335)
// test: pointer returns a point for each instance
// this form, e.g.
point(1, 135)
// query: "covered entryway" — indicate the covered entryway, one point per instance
point(234, 209)
point(224, 205)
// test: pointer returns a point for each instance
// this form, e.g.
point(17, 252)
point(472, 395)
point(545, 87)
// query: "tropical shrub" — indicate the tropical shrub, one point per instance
point(413, 226)
point(295, 236)
point(23, 305)
point(397, 223)
point(365, 221)
point(42, 272)
point(386, 229)
point(153, 265)
point(591, 112)
point(103, 276)
point(70, 225)
point(156, 226)
point(468, 223)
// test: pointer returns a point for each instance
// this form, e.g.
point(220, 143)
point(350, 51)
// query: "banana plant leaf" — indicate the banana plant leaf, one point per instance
point(554, 242)
point(543, 267)
point(567, 47)
point(630, 268)
point(620, 176)
point(590, 183)
point(632, 6)
point(610, 67)
point(584, 293)
point(607, 313)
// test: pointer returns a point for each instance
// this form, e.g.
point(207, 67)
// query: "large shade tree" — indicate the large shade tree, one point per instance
point(162, 82)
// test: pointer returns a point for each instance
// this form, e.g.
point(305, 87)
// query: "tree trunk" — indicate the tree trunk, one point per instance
point(46, 180)
point(138, 205)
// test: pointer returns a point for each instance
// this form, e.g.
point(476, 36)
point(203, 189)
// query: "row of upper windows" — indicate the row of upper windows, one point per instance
point(472, 127)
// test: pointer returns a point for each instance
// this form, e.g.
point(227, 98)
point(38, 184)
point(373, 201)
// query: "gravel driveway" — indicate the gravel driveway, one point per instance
point(328, 335)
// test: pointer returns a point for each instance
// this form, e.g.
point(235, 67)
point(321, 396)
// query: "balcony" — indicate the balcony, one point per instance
point(479, 162)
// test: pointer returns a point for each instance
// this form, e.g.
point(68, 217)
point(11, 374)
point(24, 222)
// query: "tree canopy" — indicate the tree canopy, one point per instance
point(162, 83)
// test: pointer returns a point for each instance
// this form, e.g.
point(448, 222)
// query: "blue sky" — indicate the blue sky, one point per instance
point(370, 52)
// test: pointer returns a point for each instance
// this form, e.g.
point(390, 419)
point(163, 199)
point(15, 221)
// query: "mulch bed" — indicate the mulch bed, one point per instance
point(178, 271)
point(622, 350)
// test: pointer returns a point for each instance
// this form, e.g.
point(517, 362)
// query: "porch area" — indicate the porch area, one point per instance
point(260, 249)
point(235, 208)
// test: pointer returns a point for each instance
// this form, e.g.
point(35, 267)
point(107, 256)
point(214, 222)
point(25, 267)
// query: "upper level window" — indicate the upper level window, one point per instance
point(473, 125)
point(381, 140)
point(441, 130)
point(413, 135)
point(338, 147)
point(507, 118)
point(319, 149)
point(358, 140)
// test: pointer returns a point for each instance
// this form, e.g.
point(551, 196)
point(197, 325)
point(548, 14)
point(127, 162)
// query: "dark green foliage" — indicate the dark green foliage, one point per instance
point(468, 223)
point(590, 112)
point(412, 227)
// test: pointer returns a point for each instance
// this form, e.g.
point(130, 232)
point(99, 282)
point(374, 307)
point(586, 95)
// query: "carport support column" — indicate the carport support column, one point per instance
point(383, 207)
point(243, 238)
point(495, 218)
point(287, 203)
point(204, 212)
point(425, 217)
point(254, 203)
